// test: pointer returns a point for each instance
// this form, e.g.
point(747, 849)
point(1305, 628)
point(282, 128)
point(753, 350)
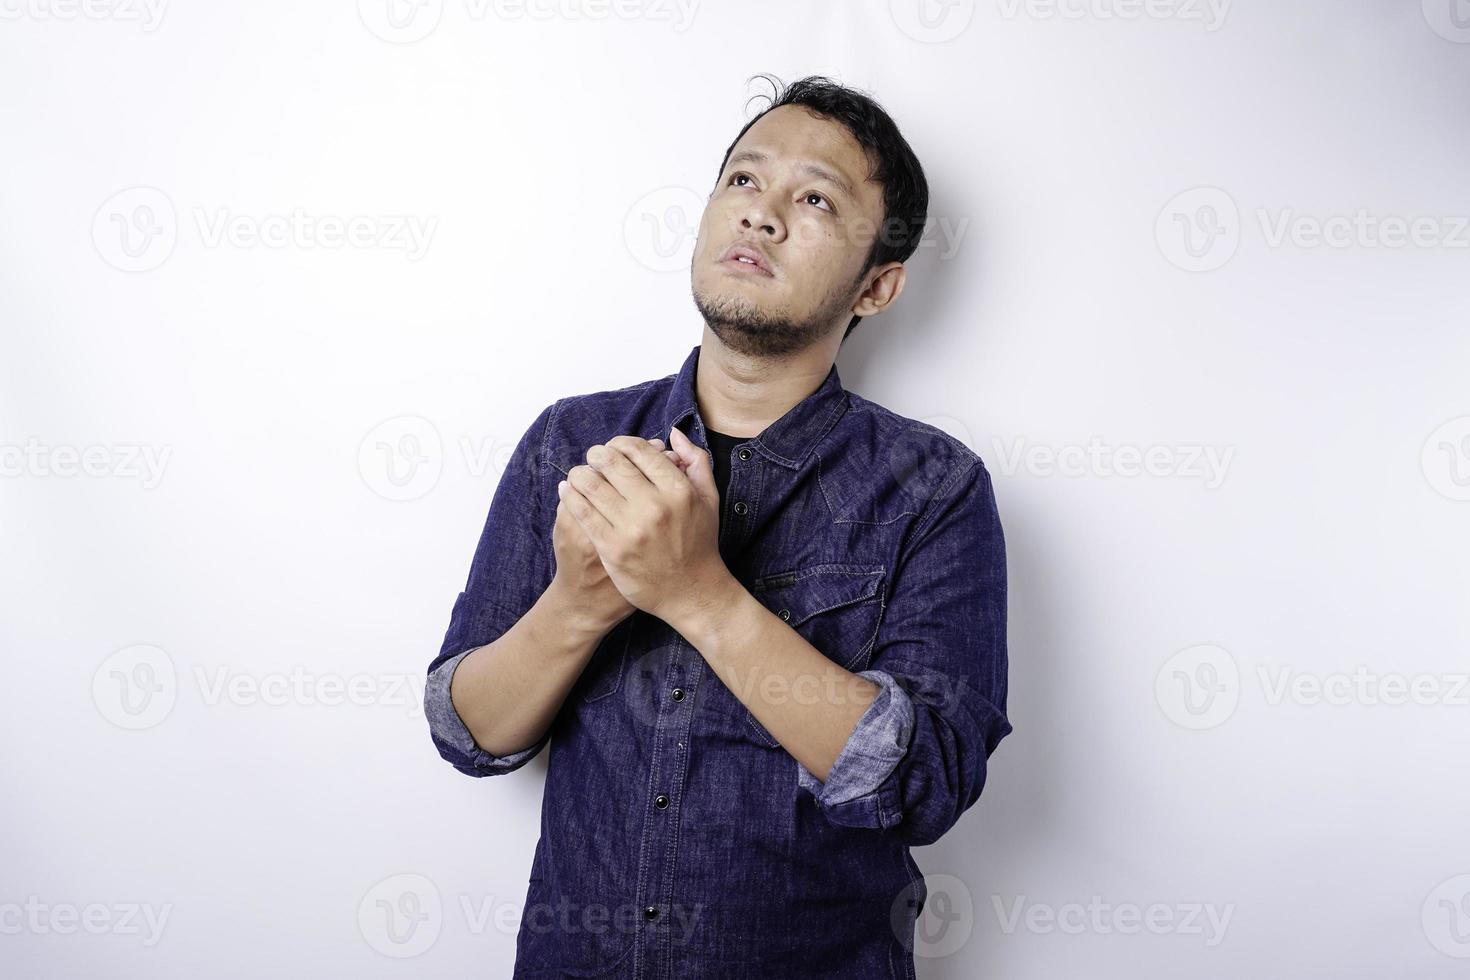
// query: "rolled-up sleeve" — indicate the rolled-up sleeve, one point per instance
point(874, 748)
point(918, 757)
point(512, 566)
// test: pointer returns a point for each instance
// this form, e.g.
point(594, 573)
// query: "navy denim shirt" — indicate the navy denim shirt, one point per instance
point(678, 838)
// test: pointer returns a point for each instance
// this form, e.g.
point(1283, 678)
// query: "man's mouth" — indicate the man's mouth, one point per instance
point(745, 259)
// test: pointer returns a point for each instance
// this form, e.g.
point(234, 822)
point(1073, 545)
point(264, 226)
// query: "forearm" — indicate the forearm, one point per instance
point(507, 692)
point(808, 702)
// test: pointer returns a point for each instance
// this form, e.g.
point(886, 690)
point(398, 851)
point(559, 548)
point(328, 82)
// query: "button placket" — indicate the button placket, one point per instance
point(742, 494)
point(659, 859)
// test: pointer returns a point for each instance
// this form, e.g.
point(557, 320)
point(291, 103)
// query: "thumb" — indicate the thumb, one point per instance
point(698, 465)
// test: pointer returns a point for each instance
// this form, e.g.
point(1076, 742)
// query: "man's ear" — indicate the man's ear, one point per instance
point(882, 292)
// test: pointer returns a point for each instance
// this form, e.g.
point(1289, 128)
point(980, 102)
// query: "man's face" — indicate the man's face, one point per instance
point(813, 232)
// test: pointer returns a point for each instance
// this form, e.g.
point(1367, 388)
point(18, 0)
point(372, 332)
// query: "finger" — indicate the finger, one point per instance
point(685, 448)
point(588, 517)
point(698, 465)
point(612, 459)
point(653, 466)
point(625, 479)
point(599, 493)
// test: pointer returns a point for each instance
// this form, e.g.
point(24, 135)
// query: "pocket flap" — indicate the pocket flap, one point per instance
point(806, 592)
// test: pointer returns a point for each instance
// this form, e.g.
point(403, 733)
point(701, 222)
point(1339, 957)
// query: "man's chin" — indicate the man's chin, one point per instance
point(759, 339)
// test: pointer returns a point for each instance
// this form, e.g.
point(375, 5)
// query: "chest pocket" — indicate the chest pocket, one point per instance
point(836, 608)
point(604, 672)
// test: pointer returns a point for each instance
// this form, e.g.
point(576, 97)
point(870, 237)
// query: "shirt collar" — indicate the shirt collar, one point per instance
point(788, 440)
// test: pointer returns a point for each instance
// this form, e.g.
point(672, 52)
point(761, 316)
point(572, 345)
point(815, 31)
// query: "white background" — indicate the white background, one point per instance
point(327, 423)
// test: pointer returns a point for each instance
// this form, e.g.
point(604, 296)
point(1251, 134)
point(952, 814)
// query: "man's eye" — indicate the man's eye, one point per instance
point(819, 197)
point(813, 194)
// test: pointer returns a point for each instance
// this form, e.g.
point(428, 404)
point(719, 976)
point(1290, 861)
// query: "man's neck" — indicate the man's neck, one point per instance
point(740, 395)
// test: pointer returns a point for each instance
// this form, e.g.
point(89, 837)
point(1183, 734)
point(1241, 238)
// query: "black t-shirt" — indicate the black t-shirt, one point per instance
point(720, 447)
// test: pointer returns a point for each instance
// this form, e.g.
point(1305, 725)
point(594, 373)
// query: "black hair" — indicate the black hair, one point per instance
point(892, 162)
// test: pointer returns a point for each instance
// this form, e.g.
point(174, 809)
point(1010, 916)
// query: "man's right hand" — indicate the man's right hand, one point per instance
point(580, 573)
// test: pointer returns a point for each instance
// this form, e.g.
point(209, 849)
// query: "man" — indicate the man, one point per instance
point(760, 619)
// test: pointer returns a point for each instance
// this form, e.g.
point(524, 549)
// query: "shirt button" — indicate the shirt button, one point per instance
point(678, 694)
point(745, 454)
point(661, 801)
point(740, 507)
point(650, 913)
point(784, 614)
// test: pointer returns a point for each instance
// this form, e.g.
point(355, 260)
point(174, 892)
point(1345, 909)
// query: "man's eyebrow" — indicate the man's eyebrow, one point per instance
point(756, 156)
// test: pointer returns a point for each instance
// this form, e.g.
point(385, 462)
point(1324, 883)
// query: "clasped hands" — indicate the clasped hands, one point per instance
point(637, 526)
